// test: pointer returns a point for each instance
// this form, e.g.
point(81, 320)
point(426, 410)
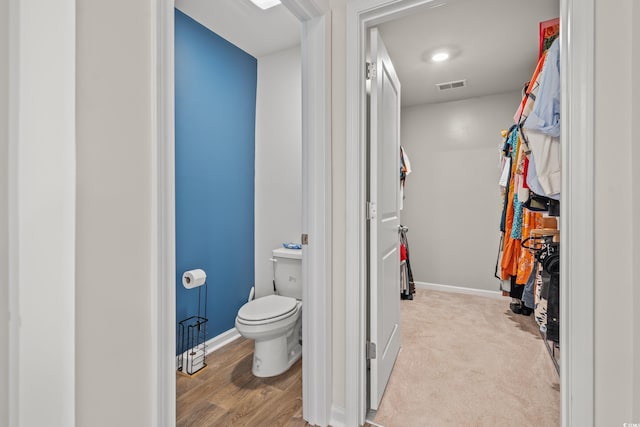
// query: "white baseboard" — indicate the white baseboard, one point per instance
point(221, 340)
point(337, 416)
point(460, 290)
point(217, 342)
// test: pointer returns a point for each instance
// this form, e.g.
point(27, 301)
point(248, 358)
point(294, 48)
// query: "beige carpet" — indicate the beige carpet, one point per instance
point(469, 361)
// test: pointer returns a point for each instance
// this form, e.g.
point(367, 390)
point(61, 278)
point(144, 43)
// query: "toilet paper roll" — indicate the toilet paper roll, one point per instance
point(193, 278)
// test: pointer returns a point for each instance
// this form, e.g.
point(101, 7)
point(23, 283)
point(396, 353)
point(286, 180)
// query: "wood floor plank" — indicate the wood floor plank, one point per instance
point(279, 413)
point(251, 395)
point(226, 357)
point(287, 379)
point(296, 422)
point(203, 413)
point(217, 378)
point(226, 396)
point(252, 401)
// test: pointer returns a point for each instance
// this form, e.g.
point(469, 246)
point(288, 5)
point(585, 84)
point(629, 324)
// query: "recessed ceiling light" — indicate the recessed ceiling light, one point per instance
point(265, 4)
point(440, 56)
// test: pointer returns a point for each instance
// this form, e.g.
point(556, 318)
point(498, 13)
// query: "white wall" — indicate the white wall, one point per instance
point(636, 209)
point(614, 361)
point(4, 218)
point(42, 212)
point(114, 367)
point(452, 200)
point(278, 184)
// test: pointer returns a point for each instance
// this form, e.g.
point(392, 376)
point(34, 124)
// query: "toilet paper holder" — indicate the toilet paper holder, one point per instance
point(192, 336)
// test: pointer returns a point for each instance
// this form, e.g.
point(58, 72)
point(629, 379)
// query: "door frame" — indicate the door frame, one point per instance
point(316, 210)
point(576, 222)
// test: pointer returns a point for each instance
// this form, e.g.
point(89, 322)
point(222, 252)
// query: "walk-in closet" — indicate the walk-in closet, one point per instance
point(480, 205)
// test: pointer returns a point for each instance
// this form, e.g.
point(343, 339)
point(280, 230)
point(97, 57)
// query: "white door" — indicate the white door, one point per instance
point(384, 213)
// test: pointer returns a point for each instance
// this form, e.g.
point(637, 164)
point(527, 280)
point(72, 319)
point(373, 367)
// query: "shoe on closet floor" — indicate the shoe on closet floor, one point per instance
point(525, 311)
point(516, 307)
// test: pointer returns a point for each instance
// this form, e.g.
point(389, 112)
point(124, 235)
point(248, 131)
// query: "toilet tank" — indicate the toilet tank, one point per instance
point(288, 272)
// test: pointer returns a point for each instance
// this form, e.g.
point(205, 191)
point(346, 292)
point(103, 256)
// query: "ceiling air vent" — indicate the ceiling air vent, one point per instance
point(451, 85)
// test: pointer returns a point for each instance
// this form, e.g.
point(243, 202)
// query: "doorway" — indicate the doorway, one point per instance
point(316, 201)
point(576, 223)
point(451, 135)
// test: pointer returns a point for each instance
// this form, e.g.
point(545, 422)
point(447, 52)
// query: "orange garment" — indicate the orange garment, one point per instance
point(517, 261)
point(530, 220)
point(511, 247)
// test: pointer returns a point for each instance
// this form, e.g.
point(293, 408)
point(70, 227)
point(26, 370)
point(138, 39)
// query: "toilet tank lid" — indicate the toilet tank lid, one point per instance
point(287, 253)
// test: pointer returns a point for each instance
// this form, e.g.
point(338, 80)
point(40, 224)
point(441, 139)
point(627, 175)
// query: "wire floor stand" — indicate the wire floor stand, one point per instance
point(192, 335)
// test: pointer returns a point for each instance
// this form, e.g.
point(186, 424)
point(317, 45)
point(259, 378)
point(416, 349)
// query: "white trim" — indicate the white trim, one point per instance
point(577, 222)
point(163, 265)
point(316, 142)
point(13, 212)
point(316, 219)
point(219, 341)
point(215, 343)
point(355, 225)
point(305, 10)
point(337, 417)
point(461, 290)
point(373, 423)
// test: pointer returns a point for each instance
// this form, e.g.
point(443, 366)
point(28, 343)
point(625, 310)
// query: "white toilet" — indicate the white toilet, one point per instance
point(275, 321)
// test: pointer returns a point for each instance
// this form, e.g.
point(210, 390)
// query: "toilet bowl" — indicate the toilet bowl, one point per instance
point(274, 322)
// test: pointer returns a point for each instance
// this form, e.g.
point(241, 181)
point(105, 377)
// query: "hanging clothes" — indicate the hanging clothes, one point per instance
point(504, 175)
point(406, 275)
point(533, 183)
point(516, 231)
point(541, 126)
point(546, 152)
point(405, 170)
point(526, 263)
point(518, 222)
point(530, 94)
point(545, 115)
point(511, 246)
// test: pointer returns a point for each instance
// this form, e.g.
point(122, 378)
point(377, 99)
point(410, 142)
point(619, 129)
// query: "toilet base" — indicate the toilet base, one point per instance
point(275, 356)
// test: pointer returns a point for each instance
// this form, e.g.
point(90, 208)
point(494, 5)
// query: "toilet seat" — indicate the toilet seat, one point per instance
point(269, 309)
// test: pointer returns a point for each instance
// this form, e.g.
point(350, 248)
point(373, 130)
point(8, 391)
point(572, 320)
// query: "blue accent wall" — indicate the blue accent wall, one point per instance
point(215, 104)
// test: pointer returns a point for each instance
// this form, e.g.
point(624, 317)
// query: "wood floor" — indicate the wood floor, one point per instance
point(226, 393)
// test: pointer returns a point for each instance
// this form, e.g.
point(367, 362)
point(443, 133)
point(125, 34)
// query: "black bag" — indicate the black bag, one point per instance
point(537, 203)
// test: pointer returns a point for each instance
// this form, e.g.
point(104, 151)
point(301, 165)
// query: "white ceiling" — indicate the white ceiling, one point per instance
point(497, 41)
point(258, 32)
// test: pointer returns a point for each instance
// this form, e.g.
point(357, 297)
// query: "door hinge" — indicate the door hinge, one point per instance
point(371, 210)
point(371, 70)
point(304, 239)
point(371, 350)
